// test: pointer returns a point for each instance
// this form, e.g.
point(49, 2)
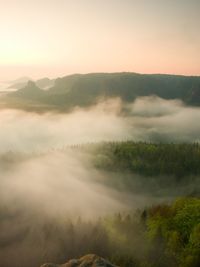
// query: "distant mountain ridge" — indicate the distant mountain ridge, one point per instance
point(31, 90)
point(44, 83)
point(86, 89)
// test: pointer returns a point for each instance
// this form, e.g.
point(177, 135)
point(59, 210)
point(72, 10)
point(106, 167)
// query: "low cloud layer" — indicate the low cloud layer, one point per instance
point(58, 184)
point(156, 120)
point(149, 119)
point(53, 177)
point(44, 185)
point(28, 132)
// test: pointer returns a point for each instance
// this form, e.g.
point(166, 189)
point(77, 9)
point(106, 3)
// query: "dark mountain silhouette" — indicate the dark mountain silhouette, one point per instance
point(126, 85)
point(44, 83)
point(86, 89)
point(194, 95)
point(30, 91)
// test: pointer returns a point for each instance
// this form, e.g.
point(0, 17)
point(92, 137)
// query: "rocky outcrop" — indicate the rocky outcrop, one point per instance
point(90, 260)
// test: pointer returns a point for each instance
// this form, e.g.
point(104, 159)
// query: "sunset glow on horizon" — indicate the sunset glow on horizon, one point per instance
point(58, 37)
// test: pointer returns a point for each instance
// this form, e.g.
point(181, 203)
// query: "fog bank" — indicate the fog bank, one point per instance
point(147, 119)
point(43, 185)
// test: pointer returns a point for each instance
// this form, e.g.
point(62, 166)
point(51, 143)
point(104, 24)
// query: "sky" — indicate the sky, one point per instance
point(40, 38)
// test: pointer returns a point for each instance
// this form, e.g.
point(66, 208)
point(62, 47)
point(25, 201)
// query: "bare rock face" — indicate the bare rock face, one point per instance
point(90, 260)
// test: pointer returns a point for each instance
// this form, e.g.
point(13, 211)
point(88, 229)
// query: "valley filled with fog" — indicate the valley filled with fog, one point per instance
point(53, 171)
point(99, 133)
point(147, 119)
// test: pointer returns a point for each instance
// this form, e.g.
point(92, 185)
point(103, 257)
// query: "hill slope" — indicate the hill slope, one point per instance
point(86, 89)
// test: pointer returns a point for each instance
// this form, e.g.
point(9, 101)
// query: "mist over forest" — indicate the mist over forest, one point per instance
point(99, 133)
point(75, 181)
point(146, 119)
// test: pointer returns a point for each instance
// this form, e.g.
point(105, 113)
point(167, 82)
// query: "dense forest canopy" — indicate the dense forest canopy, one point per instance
point(157, 227)
point(150, 159)
point(160, 235)
point(153, 165)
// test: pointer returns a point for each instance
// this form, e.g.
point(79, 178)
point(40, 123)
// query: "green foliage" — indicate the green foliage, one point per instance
point(164, 235)
point(151, 159)
point(178, 231)
point(168, 235)
point(148, 167)
point(160, 236)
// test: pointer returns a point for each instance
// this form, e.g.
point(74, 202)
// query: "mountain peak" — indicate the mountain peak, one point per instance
point(30, 91)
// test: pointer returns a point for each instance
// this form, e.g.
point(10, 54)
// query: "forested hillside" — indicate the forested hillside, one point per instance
point(164, 235)
point(153, 168)
point(149, 159)
point(86, 89)
point(135, 204)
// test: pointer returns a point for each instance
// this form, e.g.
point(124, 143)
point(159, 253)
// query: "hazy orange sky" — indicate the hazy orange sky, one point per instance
point(56, 37)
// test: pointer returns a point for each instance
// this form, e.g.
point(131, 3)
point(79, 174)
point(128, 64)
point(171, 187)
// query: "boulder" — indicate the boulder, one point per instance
point(90, 260)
